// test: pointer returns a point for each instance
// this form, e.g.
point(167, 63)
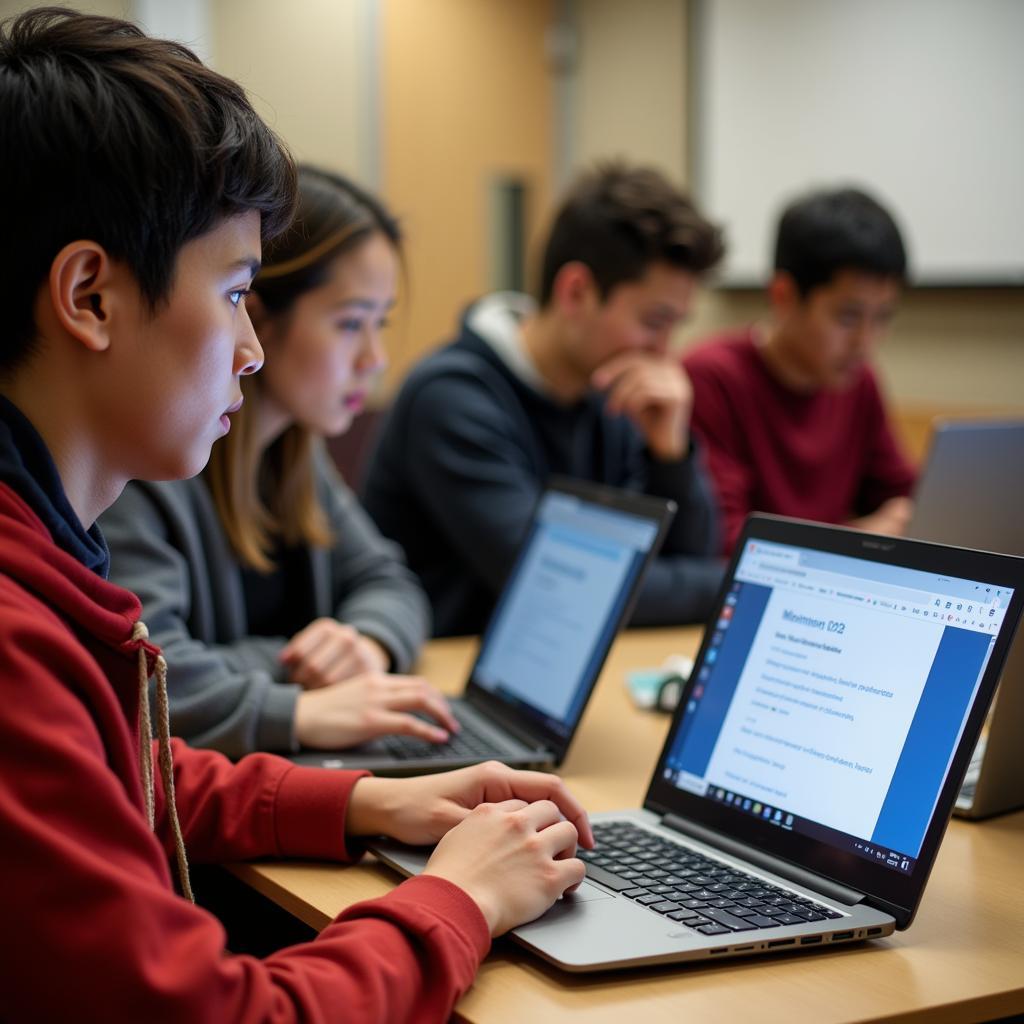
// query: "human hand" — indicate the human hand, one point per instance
point(891, 518)
point(327, 652)
point(513, 859)
point(369, 705)
point(655, 393)
point(421, 810)
point(507, 838)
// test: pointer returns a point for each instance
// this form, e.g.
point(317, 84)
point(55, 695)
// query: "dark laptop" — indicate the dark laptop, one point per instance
point(971, 492)
point(812, 763)
point(572, 587)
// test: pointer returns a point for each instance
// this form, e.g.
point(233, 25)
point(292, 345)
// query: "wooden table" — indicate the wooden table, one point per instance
point(962, 960)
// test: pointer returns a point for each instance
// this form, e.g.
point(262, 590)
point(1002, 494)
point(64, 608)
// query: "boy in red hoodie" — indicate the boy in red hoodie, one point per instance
point(136, 184)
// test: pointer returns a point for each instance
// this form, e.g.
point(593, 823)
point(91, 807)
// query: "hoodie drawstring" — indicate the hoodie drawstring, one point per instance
point(163, 726)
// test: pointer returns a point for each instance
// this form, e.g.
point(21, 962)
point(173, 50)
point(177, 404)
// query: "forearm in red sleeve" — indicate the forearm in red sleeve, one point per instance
point(263, 806)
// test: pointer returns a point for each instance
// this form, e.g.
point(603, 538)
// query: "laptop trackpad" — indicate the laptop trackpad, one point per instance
point(585, 893)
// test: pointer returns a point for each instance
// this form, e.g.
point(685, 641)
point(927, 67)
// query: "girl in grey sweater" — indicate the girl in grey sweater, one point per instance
point(274, 597)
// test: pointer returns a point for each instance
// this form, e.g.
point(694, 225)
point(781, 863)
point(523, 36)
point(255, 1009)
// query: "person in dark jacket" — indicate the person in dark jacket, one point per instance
point(582, 385)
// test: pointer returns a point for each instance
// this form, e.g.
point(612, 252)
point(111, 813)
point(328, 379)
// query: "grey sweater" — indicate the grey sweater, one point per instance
point(227, 689)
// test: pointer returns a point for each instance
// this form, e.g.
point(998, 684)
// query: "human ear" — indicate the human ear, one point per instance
point(783, 294)
point(574, 288)
point(80, 291)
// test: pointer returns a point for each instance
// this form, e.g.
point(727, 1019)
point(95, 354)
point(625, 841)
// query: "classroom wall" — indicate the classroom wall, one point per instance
point(466, 99)
point(629, 88)
point(432, 101)
point(949, 349)
point(108, 8)
point(310, 69)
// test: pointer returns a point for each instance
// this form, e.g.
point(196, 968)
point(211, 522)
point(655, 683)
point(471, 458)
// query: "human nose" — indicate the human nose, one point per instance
point(660, 342)
point(248, 351)
point(372, 357)
point(864, 337)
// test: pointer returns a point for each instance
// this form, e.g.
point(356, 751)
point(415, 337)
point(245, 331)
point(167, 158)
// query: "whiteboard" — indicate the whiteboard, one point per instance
point(920, 102)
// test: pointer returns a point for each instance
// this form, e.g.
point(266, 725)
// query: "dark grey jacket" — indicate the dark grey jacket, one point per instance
point(461, 461)
point(227, 689)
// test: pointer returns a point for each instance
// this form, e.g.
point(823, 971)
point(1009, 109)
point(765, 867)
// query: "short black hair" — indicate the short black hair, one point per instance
point(109, 135)
point(826, 232)
point(619, 220)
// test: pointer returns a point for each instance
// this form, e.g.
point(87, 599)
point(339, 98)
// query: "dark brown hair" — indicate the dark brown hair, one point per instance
point(618, 220)
point(335, 216)
point(128, 141)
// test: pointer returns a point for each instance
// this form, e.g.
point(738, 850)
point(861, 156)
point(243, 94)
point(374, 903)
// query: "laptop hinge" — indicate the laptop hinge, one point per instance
point(514, 729)
point(834, 890)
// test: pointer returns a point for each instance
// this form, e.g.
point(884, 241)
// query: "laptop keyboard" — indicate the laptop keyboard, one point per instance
point(469, 744)
point(704, 894)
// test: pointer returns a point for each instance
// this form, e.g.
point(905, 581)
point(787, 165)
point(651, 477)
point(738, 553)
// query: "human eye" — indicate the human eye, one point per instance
point(848, 317)
point(236, 295)
point(350, 325)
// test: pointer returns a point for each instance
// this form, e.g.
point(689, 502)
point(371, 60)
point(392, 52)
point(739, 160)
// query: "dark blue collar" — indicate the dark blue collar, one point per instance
point(28, 468)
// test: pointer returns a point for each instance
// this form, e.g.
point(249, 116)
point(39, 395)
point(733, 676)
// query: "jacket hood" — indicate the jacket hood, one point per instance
point(28, 467)
point(29, 556)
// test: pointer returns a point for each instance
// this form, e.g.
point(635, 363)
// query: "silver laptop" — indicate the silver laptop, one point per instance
point(971, 492)
point(812, 763)
point(573, 585)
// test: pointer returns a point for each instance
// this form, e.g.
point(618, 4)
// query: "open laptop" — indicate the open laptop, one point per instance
point(971, 490)
point(573, 585)
point(811, 766)
point(971, 493)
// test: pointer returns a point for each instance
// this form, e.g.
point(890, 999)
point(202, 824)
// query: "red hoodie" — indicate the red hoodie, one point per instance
point(92, 928)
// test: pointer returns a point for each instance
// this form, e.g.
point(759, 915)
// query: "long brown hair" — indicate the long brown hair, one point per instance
point(334, 216)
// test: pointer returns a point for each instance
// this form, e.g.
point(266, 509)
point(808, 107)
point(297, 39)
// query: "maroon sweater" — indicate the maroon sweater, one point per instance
point(830, 456)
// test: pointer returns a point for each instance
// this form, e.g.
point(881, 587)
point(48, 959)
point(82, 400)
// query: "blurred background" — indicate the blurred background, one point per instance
point(469, 116)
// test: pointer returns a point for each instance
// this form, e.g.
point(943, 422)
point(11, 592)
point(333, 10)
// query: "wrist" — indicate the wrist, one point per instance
point(672, 450)
point(380, 653)
point(370, 807)
point(488, 911)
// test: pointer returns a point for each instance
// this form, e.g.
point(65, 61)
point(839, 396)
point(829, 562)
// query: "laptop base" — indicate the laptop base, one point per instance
point(379, 758)
point(595, 929)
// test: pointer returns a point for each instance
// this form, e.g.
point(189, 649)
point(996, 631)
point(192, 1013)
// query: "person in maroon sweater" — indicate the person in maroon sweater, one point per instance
point(135, 187)
point(790, 412)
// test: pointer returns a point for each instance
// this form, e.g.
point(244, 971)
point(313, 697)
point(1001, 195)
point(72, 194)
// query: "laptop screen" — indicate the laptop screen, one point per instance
point(562, 605)
point(831, 696)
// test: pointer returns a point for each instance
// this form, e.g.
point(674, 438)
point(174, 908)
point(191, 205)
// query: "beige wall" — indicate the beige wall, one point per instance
point(951, 349)
point(305, 65)
point(108, 8)
point(309, 67)
point(629, 88)
point(465, 94)
point(466, 97)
